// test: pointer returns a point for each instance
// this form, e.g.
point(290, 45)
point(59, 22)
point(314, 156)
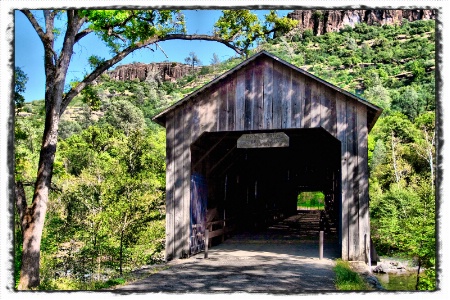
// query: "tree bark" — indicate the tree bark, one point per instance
point(33, 217)
point(121, 253)
point(394, 161)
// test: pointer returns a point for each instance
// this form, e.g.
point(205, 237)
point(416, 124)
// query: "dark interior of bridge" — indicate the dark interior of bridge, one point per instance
point(253, 189)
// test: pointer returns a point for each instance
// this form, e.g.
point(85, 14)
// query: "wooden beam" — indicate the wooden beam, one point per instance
point(341, 108)
point(170, 170)
point(240, 100)
point(210, 150)
point(222, 159)
point(268, 94)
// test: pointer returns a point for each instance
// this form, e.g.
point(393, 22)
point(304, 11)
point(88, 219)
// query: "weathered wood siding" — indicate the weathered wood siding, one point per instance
point(266, 94)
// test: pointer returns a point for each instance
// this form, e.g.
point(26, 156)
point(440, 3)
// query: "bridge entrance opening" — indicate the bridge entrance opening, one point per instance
point(287, 187)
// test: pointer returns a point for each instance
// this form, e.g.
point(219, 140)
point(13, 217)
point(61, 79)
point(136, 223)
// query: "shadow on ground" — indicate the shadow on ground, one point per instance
point(253, 263)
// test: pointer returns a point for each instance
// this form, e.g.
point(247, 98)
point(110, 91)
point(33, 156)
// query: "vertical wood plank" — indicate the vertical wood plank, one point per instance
point(222, 117)
point(240, 100)
point(363, 204)
point(258, 103)
point(277, 95)
point(249, 97)
point(268, 94)
point(325, 109)
point(342, 136)
point(170, 237)
point(352, 190)
point(213, 110)
point(196, 120)
point(341, 106)
point(202, 107)
point(315, 105)
point(301, 82)
point(178, 181)
point(297, 100)
point(231, 103)
point(306, 120)
point(286, 98)
point(187, 127)
point(333, 114)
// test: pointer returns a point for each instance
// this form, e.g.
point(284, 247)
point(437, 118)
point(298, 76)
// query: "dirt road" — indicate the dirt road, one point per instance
point(247, 265)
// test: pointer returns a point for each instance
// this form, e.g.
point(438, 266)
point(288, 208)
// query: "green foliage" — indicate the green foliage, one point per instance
point(123, 115)
point(243, 28)
point(192, 60)
point(68, 128)
point(109, 216)
point(427, 281)
point(347, 279)
point(90, 97)
point(95, 61)
point(311, 200)
point(122, 28)
point(20, 81)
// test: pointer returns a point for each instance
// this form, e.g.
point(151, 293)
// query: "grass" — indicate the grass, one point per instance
point(347, 279)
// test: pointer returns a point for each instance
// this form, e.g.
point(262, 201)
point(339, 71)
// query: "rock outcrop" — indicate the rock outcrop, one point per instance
point(165, 71)
point(323, 21)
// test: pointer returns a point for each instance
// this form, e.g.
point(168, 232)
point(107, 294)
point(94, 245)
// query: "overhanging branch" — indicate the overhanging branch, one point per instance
point(121, 55)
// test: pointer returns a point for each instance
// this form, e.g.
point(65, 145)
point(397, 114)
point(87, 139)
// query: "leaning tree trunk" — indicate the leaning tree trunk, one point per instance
point(33, 217)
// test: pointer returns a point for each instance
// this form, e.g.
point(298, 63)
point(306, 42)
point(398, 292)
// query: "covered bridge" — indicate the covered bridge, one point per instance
point(243, 146)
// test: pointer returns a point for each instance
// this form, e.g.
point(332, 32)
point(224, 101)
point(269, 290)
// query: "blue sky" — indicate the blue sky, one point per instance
point(29, 53)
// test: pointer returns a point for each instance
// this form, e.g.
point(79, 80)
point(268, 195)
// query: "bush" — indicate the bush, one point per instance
point(346, 279)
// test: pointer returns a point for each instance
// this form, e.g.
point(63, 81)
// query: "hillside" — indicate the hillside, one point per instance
point(323, 21)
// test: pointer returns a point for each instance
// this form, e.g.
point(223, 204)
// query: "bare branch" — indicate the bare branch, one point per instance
point(35, 24)
point(49, 23)
point(203, 37)
point(162, 50)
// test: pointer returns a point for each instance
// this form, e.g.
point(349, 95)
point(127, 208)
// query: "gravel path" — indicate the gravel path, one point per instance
point(247, 265)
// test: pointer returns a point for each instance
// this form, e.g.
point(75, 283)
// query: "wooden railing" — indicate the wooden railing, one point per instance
point(219, 228)
point(202, 241)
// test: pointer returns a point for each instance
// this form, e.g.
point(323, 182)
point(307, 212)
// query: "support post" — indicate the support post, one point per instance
point(367, 250)
point(321, 244)
point(206, 242)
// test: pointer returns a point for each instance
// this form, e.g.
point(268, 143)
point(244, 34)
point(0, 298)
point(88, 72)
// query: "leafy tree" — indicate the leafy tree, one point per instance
point(379, 95)
point(124, 31)
point(409, 102)
point(20, 81)
point(111, 204)
point(215, 60)
point(192, 60)
point(68, 128)
point(125, 116)
point(243, 28)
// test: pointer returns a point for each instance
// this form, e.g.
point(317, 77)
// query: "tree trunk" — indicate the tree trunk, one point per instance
point(121, 253)
point(33, 217)
point(418, 274)
point(394, 161)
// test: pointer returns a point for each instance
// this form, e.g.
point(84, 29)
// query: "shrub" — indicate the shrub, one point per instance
point(347, 279)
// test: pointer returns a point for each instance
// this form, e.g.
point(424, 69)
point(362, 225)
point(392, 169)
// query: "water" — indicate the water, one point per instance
point(396, 282)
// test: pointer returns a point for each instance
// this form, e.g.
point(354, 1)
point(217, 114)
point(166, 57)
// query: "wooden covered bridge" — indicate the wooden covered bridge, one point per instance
point(242, 147)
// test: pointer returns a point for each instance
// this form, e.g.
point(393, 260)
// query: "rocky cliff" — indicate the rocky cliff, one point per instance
point(323, 21)
point(166, 71)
